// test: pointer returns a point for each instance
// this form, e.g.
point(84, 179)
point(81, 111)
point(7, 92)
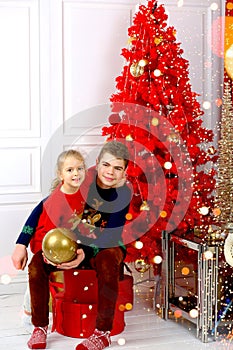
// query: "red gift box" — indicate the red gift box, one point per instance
point(75, 308)
point(78, 320)
point(80, 286)
point(75, 320)
point(125, 292)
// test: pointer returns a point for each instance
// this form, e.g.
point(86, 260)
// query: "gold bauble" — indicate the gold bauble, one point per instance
point(136, 70)
point(59, 245)
point(141, 265)
point(158, 40)
point(173, 137)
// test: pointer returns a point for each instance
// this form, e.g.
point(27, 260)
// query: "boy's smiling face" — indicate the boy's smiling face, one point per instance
point(111, 171)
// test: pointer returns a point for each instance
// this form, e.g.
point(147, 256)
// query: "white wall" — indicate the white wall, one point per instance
point(58, 64)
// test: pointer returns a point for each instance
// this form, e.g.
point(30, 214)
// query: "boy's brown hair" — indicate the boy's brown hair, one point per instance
point(117, 149)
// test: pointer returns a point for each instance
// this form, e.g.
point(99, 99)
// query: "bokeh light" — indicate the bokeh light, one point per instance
point(208, 255)
point(185, 271)
point(157, 259)
point(121, 341)
point(138, 245)
point(5, 279)
point(193, 313)
point(177, 313)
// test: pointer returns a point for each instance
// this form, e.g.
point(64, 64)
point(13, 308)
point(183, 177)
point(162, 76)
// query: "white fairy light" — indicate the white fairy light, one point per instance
point(208, 255)
point(157, 73)
point(167, 165)
point(203, 210)
point(138, 245)
point(157, 259)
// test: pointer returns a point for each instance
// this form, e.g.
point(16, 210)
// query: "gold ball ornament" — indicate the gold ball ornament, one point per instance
point(59, 245)
point(136, 69)
point(141, 265)
point(173, 137)
point(158, 40)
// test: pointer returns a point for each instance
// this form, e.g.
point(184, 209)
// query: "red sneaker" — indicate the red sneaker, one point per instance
point(38, 338)
point(97, 341)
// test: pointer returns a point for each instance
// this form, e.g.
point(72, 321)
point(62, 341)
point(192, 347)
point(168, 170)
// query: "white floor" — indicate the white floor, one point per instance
point(145, 329)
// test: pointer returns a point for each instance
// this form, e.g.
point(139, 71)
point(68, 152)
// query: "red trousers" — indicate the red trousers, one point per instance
point(107, 265)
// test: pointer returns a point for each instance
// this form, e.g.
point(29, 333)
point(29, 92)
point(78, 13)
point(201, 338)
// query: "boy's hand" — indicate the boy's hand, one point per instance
point(20, 257)
point(74, 263)
point(47, 261)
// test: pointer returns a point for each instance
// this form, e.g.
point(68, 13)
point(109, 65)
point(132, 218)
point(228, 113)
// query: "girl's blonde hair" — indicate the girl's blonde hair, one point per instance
point(60, 162)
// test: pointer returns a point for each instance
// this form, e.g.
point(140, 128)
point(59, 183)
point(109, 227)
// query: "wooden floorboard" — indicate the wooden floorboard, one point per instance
point(144, 330)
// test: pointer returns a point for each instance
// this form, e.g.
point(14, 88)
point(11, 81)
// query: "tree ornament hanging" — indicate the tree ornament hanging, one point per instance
point(158, 40)
point(141, 265)
point(136, 70)
point(173, 137)
point(144, 206)
point(129, 138)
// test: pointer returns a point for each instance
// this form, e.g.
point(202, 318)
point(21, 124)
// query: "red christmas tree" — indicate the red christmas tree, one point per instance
point(157, 115)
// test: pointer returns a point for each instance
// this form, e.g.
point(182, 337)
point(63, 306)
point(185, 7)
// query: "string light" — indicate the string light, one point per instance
point(138, 245)
point(167, 165)
point(157, 73)
point(208, 255)
point(157, 259)
point(204, 210)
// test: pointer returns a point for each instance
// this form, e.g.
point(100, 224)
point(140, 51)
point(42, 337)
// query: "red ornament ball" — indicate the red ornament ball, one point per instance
point(114, 119)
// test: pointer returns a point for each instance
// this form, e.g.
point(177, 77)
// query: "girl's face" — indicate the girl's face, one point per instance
point(72, 174)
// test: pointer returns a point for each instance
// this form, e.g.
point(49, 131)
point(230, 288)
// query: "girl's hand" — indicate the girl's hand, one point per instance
point(20, 256)
point(74, 263)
